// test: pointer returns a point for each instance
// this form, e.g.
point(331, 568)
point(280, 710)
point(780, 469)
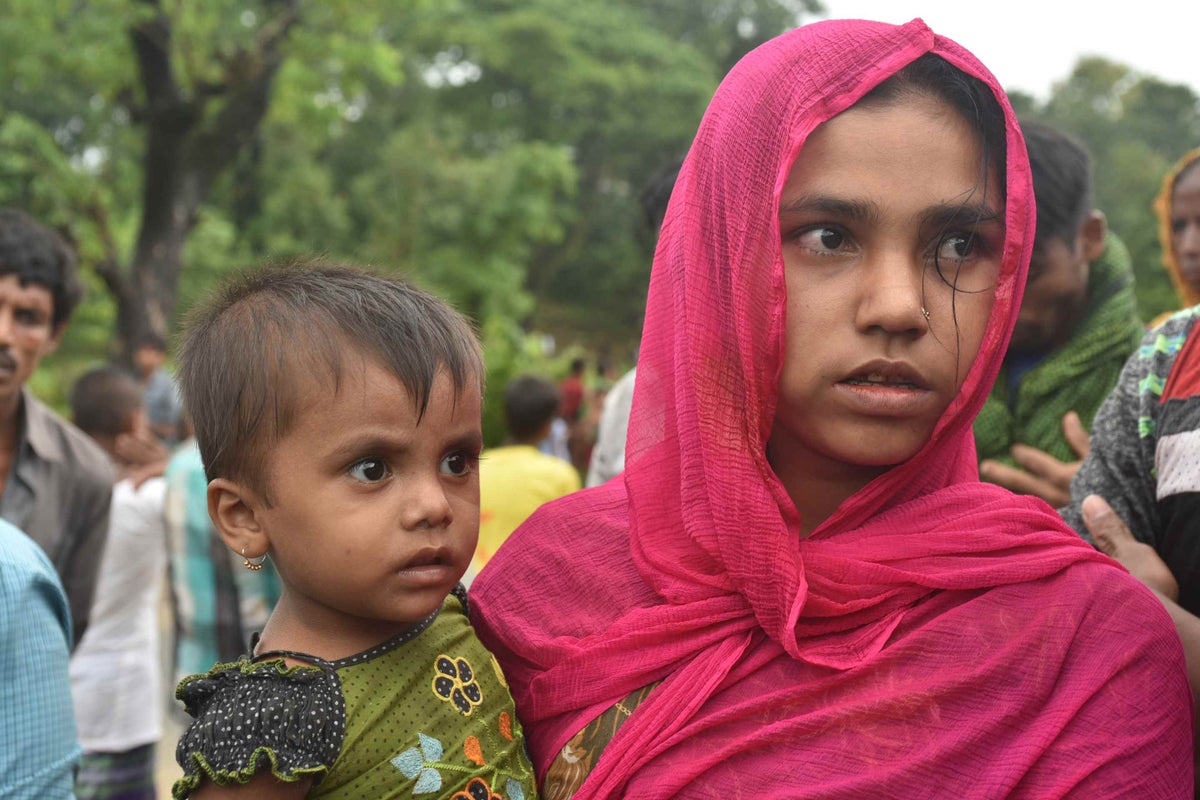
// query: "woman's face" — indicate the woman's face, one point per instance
point(1185, 225)
point(878, 339)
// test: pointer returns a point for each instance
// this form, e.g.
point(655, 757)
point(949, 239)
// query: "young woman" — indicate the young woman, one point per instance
point(800, 588)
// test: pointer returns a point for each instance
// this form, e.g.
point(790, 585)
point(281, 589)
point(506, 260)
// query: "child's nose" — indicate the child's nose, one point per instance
point(428, 506)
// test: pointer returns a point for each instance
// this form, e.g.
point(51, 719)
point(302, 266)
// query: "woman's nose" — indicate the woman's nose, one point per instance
point(892, 294)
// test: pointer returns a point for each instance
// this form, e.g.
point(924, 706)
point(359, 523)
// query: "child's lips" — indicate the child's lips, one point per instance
point(430, 565)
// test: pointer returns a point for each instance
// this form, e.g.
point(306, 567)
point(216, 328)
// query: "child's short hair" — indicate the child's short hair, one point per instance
point(104, 400)
point(246, 348)
point(530, 402)
point(38, 255)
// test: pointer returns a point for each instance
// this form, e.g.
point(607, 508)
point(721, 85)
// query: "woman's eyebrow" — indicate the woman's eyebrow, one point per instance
point(853, 210)
point(944, 214)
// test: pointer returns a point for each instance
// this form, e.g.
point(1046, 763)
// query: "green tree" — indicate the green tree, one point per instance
point(149, 104)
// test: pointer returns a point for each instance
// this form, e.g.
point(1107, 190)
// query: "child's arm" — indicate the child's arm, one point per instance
point(262, 787)
point(260, 730)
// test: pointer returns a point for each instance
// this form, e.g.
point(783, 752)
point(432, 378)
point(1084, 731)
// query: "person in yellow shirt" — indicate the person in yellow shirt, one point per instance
point(516, 478)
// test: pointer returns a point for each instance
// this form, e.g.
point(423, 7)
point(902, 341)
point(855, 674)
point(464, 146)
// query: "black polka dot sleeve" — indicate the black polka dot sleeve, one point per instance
point(250, 717)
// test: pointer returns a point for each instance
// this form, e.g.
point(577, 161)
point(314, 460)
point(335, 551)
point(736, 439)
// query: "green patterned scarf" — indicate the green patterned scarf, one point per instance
point(1076, 377)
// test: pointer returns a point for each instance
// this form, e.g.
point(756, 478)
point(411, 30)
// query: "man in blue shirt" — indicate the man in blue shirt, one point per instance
point(38, 746)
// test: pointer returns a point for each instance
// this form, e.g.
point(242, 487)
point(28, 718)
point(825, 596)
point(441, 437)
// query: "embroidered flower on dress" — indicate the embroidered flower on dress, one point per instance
point(477, 789)
point(455, 683)
point(415, 762)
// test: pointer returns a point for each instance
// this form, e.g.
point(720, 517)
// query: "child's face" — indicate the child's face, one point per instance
point(375, 515)
point(875, 193)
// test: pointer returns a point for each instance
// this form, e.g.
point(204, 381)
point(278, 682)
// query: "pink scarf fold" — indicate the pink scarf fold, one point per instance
point(691, 570)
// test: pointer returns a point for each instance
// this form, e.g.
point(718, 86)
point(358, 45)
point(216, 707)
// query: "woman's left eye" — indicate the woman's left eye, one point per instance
point(458, 463)
point(369, 470)
point(957, 246)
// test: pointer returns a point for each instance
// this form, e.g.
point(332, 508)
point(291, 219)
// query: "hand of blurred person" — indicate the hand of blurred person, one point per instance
point(144, 456)
point(140, 449)
point(1113, 537)
point(1039, 473)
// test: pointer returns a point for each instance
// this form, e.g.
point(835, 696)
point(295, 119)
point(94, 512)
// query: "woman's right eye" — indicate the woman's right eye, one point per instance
point(369, 470)
point(821, 239)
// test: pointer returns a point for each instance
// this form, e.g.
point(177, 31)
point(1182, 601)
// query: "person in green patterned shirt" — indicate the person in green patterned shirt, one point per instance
point(1077, 325)
point(338, 418)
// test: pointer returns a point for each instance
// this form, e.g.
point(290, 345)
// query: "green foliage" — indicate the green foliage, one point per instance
point(491, 150)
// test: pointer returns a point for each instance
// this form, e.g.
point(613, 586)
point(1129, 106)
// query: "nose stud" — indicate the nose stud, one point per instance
point(924, 313)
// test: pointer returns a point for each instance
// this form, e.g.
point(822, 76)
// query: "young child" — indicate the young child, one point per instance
point(338, 416)
point(116, 682)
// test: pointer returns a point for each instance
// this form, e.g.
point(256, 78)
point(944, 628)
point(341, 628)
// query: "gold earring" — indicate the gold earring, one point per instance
point(924, 313)
point(253, 564)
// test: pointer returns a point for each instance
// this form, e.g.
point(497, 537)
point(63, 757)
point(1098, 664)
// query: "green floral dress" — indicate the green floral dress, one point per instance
point(426, 714)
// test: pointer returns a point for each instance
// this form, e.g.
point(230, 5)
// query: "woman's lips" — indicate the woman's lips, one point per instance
point(885, 388)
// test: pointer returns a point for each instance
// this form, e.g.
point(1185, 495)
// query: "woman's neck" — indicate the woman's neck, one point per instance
point(816, 484)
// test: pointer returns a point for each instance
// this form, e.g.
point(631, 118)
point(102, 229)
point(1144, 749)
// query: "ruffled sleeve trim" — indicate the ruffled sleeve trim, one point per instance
point(250, 716)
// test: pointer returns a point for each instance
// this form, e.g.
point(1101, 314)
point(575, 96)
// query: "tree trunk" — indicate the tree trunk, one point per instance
point(187, 146)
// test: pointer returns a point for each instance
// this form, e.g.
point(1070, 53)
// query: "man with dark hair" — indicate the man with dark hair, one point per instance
point(56, 483)
point(1078, 323)
point(516, 479)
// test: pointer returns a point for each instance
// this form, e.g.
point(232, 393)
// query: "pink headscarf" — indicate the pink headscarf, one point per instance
point(852, 660)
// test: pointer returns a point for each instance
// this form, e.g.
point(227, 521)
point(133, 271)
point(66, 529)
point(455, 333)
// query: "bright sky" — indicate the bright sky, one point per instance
point(1031, 44)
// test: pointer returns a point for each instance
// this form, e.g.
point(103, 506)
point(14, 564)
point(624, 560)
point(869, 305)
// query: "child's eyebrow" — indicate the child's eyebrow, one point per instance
point(378, 442)
point(472, 440)
point(367, 443)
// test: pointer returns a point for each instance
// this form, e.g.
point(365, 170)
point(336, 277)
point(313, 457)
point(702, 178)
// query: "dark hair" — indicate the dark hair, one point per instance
point(1062, 181)
point(104, 400)
point(247, 348)
point(150, 340)
point(577, 365)
point(530, 401)
point(37, 255)
point(932, 75)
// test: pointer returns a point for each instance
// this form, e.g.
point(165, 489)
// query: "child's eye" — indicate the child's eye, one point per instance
point(458, 463)
point(369, 470)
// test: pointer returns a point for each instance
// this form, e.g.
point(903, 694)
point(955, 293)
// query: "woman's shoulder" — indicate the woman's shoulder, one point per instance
point(250, 717)
point(1098, 604)
point(567, 573)
point(563, 538)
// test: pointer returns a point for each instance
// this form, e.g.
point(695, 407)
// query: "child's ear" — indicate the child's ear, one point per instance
point(234, 510)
